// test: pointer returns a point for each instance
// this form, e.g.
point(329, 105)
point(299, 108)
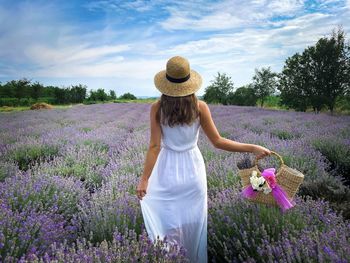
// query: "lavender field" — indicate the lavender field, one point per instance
point(68, 182)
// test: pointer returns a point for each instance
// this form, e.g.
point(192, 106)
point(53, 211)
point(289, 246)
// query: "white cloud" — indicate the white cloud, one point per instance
point(46, 56)
point(229, 14)
point(295, 33)
point(285, 7)
point(216, 21)
point(121, 68)
point(228, 36)
point(121, 6)
point(239, 53)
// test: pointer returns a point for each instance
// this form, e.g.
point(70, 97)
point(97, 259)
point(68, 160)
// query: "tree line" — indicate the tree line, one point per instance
point(317, 78)
point(23, 92)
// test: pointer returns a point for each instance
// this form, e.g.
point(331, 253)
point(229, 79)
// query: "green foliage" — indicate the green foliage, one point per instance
point(83, 162)
point(26, 155)
point(269, 121)
point(273, 101)
point(293, 81)
point(245, 226)
point(219, 89)
point(24, 93)
point(127, 96)
point(61, 95)
point(318, 76)
point(96, 145)
point(77, 93)
point(331, 66)
point(7, 169)
point(264, 83)
point(112, 95)
point(35, 91)
point(89, 102)
point(328, 188)
point(19, 87)
point(283, 135)
point(104, 213)
point(49, 100)
point(243, 96)
point(337, 153)
point(216, 182)
point(13, 102)
point(343, 103)
point(86, 129)
point(3, 174)
point(74, 94)
point(53, 192)
point(100, 95)
point(303, 163)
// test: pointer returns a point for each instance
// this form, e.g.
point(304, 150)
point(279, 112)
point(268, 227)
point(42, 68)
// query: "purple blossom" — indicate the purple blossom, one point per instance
point(68, 179)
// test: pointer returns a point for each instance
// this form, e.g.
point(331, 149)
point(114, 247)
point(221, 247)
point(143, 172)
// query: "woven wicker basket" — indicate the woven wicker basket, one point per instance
point(289, 179)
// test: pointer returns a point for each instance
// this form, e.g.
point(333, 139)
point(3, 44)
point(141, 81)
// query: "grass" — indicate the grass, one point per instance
point(135, 101)
point(23, 108)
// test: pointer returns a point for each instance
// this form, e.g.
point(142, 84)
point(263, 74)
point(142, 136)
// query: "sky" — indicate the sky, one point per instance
point(121, 45)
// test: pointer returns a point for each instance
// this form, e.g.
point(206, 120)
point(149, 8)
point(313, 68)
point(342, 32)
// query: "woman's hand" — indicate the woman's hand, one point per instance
point(260, 151)
point(141, 188)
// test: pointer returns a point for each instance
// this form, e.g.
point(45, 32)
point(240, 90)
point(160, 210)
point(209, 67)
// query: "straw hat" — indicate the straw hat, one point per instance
point(178, 79)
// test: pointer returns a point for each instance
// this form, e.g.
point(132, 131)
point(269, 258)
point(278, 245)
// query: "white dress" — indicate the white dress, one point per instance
point(175, 204)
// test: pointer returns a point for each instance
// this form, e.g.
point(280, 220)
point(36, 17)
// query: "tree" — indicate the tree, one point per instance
point(127, 96)
point(35, 91)
point(264, 83)
point(92, 95)
point(317, 77)
point(219, 89)
point(20, 88)
point(61, 95)
point(100, 95)
point(243, 96)
point(295, 82)
point(49, 91)
point(7, 91)
point(78, 93)
point(331, 67)
point(112, 95)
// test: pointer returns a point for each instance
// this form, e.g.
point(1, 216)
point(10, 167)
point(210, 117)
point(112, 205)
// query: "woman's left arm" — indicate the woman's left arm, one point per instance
point(154, 144)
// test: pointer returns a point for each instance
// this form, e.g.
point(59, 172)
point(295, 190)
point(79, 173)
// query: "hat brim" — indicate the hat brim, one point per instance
point(177, 89)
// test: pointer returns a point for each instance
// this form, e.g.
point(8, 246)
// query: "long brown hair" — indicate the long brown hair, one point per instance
point(177, 110)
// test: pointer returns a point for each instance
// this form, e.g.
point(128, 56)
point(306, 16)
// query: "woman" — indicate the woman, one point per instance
point(173, 187)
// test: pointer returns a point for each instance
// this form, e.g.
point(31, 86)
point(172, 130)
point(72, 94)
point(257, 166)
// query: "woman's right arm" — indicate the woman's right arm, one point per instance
point(219, 142)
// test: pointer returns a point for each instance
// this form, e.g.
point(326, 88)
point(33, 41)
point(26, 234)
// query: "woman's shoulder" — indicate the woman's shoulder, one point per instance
point(155, 104)
point(202, 105)
point(201, 102)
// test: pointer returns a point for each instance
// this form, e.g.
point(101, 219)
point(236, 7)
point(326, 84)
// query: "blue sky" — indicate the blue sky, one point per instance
point(121, 45)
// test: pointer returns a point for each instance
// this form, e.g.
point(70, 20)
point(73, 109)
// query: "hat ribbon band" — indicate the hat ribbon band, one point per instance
point(177, 80)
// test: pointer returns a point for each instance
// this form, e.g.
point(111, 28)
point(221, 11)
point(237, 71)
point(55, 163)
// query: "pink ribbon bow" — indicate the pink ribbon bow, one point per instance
point(269, 175)
point(277, 191)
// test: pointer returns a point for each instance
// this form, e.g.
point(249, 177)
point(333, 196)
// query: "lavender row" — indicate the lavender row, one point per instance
point(74, 172)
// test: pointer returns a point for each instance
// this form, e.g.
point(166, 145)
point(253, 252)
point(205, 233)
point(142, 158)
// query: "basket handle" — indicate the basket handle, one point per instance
point(279, 156)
